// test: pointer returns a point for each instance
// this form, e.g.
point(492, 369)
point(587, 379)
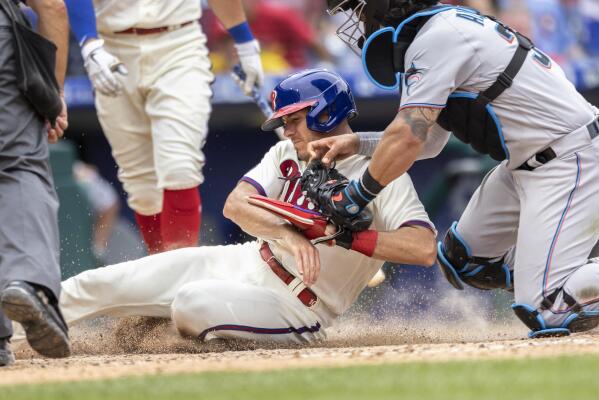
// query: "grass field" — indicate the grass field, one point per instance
point(560, 378)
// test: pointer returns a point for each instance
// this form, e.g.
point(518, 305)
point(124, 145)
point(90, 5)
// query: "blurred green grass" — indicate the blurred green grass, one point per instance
point(560, 378)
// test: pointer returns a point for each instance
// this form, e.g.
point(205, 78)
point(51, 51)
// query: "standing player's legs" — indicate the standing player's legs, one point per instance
point(478, 250)
point(559, 227)
point(128, 131)
point(178, 105)
point(223, 309)
point(147, 286)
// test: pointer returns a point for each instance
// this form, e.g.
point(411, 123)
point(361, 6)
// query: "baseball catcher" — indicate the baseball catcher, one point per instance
point(532, 223)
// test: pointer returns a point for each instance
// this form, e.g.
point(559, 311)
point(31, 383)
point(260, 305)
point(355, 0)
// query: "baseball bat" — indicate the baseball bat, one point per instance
point(259, 99)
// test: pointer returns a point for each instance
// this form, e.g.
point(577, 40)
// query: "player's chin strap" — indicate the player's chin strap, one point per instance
point(577, 321)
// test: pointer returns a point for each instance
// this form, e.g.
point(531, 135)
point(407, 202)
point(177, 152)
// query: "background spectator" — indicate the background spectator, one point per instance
point(287, 39)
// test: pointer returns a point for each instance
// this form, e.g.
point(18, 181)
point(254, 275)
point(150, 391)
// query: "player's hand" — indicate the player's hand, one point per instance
point(334, 148)
point(102, 68)
point(249, 58)
point(306, 256)
point(62, 123)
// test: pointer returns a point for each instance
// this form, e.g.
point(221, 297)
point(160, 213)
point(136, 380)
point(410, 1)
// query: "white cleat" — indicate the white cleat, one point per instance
point(377, 279)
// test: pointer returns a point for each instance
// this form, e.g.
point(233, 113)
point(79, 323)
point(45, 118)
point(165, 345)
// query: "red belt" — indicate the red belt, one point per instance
point(306, 296)
point(150, 31)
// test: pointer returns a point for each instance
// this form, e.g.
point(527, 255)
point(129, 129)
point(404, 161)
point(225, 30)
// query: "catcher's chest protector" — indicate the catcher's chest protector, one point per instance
point(469, 116)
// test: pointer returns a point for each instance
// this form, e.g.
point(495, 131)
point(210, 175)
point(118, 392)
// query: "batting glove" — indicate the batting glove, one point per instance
point(102, 68)
point(249, 58)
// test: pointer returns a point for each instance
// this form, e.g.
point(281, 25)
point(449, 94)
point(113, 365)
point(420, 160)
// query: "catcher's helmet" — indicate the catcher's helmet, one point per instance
point(317, 89)
point(364, 17)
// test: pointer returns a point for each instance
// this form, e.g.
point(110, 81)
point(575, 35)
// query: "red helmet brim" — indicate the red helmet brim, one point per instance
point(275, 119)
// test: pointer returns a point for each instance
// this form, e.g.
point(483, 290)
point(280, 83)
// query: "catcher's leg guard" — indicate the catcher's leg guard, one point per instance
point(458, 265)
point(534, 320)
point(584, 321)
point(577, 321)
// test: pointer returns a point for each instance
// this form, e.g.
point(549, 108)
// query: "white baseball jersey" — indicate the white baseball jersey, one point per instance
point(118, 15)
point(459, 51)
point(343, 273)
point(229, 291)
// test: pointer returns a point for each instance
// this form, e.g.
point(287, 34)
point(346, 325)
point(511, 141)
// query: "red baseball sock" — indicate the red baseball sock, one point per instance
point(181, 217)
point(149, 226)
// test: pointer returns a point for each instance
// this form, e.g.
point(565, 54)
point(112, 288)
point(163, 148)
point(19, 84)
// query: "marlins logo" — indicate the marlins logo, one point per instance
point(412, 76)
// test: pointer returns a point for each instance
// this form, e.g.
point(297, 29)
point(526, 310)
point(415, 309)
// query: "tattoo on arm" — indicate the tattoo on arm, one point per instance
point(420, 120)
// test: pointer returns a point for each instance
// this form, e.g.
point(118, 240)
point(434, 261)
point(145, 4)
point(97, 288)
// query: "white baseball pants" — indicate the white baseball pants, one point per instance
point(157, 127)
point(216, 291)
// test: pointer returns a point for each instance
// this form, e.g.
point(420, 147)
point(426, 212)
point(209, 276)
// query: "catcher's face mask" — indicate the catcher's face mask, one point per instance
point(364, 17)
point(351, 32)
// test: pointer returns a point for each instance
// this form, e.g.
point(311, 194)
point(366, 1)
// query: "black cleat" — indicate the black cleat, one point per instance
point(6, 355)
point(46, 332)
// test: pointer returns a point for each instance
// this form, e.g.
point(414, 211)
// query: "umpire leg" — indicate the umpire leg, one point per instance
point(29, 241)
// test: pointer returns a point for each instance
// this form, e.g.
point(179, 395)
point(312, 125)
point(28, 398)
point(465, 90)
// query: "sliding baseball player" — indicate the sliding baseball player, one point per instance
point(282, 287)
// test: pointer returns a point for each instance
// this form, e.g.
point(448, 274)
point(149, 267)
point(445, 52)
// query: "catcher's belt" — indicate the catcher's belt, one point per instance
point(565, 145)
point(295, 285)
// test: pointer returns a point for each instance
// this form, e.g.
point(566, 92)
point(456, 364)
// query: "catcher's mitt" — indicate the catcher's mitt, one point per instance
point(321, 184)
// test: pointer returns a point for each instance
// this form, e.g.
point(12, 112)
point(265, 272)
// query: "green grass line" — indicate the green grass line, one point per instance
point(559, 378)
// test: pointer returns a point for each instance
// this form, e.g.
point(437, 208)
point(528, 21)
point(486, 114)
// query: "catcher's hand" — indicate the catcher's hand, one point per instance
point(338, 198)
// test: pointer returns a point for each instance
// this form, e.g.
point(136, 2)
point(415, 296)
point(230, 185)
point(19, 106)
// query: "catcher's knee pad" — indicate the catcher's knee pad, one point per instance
point(575, 322)
point(458, 265)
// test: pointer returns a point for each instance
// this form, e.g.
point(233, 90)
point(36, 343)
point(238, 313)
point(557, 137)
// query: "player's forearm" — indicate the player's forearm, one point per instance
point(402, 143)
point(407, 245)
point(54, 26)
point(395, 153)
point(229, 12)
point(251, 219)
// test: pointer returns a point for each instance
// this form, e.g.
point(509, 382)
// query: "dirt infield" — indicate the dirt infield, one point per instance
point(110, 349)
